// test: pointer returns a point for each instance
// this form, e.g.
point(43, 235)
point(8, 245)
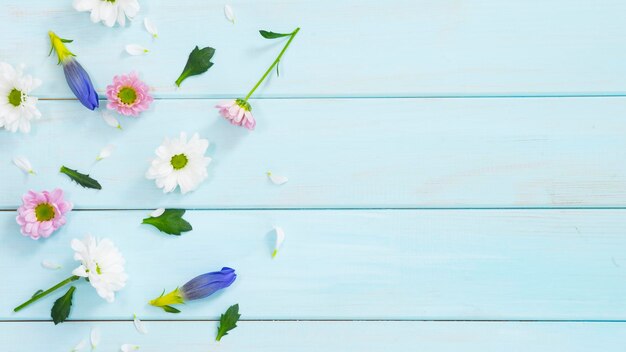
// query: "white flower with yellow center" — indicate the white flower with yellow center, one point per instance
point(17, 108)
point(180, 162)
point(108, 11)
point(101, 263)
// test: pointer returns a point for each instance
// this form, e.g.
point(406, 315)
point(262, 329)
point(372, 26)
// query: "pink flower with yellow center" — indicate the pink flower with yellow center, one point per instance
point(128, 95)
point(238, 112)
point(42, 213)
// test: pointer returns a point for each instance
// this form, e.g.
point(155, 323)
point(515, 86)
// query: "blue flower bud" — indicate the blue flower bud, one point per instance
point(207, 284)
point(80, 83)
point(199, 287)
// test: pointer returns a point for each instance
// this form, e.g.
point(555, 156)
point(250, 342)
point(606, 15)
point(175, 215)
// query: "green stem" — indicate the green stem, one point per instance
point(293, 35)
point(46, 292)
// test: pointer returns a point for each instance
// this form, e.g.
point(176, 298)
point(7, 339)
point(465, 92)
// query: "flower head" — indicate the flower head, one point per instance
point(42, 213)
point(108, 11)
point(180, 163)
point(17, 107)
point(75, 75)
point(199, 287)
point(101, 263)
point(238, 112)
point(128, 95)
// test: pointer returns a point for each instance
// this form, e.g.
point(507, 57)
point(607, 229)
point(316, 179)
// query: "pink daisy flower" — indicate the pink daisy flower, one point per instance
point(42, 213)
point(128, 95)
point(238, 112)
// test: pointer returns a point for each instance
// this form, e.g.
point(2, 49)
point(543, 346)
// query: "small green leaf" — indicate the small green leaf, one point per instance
point(62, 306)
point(81, 179)
point(36, 293)
point(199, 61)
point(228, 321)
point(170, 309)
point(273, 35)
point(66, 40)
point(170, 222)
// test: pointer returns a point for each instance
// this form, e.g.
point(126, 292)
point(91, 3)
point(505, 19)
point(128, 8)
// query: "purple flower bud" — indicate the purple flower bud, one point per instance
point(80, 83)
point(207, 284)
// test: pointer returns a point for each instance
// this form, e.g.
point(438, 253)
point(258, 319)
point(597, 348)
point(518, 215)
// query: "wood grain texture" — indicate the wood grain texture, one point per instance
point(540, 152)
point(429, 264)
point(326, 336)
point(346, 48)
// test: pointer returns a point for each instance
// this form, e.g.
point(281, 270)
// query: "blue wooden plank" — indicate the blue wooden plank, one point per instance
point(324, 336)
point(429, 264)
point(346, 48)
point(343, 153)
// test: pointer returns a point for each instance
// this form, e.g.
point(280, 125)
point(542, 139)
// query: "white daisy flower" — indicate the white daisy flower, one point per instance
point(109, 11)
point(180, 163)
point(101, 263)
point(17, 108)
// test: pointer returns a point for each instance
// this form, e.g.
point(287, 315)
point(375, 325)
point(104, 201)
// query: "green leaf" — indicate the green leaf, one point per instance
point(228, 321)
point(62, 306)
point(36, 293)
point(199, 61)
point(273, 35)
point(170, 309)
point(81, 179)
point(170, 222)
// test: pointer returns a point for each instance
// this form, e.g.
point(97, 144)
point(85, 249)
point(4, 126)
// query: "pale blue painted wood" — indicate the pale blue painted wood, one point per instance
point(346, 48)
point(325, 336)
point(429, 264)
point(343, 153)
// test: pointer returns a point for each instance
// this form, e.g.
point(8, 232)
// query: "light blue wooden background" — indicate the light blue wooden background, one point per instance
point(457, 176)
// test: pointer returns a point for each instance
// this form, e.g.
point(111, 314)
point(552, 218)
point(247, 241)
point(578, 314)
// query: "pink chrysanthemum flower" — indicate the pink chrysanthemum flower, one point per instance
point(238, 112)
point(128, 95)
point(42, 213)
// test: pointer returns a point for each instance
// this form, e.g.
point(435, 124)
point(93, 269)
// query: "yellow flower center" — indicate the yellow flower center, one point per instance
point(44, 212)
point(179, 161)
point(15, 97)
point(127, 95)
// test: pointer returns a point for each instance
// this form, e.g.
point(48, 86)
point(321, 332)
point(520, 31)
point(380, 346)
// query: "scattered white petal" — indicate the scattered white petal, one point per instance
point(277, 180)
point(228, 12)
point(150, 27)
point(280, 238)
point(50, 265)
point(127, 347)
point(111, 120)
point(95, 338)
point(134, 49)
point(139, 325)
point(158, 212)
point(79, 346)
point(106, 152)
point(23, 164)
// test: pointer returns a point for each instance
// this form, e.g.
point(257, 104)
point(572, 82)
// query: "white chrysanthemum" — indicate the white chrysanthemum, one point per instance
point(102, 263)
point(17, 108)
point(109, 11)
point(180, 163)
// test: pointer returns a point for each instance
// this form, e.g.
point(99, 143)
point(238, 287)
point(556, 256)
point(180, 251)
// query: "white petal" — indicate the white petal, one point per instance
point(79, 346)
point(111, 120)
point(280, 238)
point(135, 49)
point(157, 212)
point(105, 152)
point(277, 180)
point(94, 337)
point(23, 164)
point(150, 27)
point(228, 12)
point(127, 347)
point(139, 325)
point(50, 265)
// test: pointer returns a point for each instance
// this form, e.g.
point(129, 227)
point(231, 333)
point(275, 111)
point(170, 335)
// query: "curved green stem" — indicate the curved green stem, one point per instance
point(46, 292)
point(293, 35)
